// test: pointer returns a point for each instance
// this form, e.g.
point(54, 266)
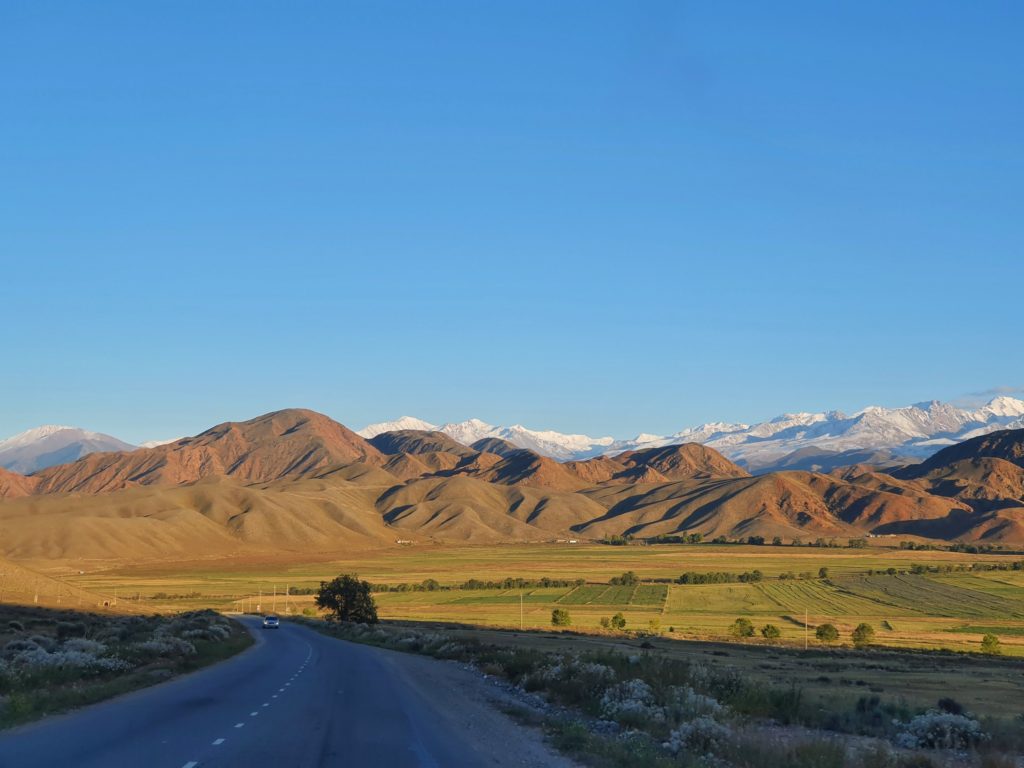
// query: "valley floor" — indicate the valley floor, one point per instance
point(951, 605)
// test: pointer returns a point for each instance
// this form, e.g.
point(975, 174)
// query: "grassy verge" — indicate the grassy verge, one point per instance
point(612, 708)
point(55, 661)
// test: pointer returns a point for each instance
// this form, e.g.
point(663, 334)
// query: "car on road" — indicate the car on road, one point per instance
point(271, 622)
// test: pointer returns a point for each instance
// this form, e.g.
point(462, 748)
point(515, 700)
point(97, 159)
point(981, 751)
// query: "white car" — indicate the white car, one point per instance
point(271, 622)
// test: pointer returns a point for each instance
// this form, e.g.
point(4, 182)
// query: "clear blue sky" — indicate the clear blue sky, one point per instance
point(587, 216)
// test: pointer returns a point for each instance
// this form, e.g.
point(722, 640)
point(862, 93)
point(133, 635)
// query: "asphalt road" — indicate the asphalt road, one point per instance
point(297, 698)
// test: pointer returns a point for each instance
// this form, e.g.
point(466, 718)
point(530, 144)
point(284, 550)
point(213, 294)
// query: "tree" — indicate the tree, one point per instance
point(756, 540)
point(777, 541)
point(827, 633)
point(863, 635)
point(770, 632)
point(823, 573)
point(346, 598)
point(560, 618)
point(990, 644)
point(628, 579)
point(742, 628)
point(618, 621)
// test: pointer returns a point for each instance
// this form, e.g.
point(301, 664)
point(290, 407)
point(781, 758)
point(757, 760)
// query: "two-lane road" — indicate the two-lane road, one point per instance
point(295, 699)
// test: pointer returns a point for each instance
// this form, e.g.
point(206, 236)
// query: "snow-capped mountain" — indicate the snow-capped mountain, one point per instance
point(546, 442)
point(402, 422)
point(42, 447)
point(823, 439)
point(907, 433)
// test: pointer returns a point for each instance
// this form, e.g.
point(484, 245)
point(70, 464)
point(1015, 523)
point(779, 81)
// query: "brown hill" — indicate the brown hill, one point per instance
point(784, 504)
point(1006, 444)
point(495, 445)
point(984, 482)
point(13, 485)
point(280, 444)
point(682, 462)
point(530, 469)
point(468, 509)
point(418, 441)
point(689, 461)
point(215, 517)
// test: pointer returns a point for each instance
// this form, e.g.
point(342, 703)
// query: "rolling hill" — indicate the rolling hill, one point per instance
point(295, 480)
point(280, 444)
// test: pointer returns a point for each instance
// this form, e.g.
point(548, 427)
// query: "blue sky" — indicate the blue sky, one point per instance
point(586, 216)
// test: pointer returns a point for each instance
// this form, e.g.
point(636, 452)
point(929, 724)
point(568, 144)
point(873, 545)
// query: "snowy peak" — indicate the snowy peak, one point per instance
point(1001, 407)
point(46, 446)
point(402, 422)
point(34, 435)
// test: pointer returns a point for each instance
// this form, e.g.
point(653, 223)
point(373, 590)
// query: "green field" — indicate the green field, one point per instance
point(939, 610)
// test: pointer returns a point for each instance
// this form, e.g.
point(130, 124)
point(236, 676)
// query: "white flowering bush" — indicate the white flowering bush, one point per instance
point(684, 704)
point(41, 659)
point(83, 645)
point(940, 730)
point(166, 646)
point(631, 702)
point(703, 734)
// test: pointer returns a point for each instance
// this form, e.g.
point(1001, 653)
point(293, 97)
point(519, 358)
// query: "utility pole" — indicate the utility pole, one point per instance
point(287, 605)
point(806, 629)
point(275, 598)
point(520, 610)
point(259, 602)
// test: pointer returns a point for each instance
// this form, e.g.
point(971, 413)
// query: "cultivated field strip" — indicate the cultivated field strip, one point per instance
point(643, 595)
point(923, 595)
point(819, 598)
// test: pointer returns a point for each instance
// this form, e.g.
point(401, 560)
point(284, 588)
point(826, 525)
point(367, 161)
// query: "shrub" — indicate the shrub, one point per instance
point(631, 702)
point(628, 579)
point(606, 622)
point(863, 635)
point(741, 628)
point(683, 703)
point(82, 645)
point(702, 735)
point(990, 644)
point(572, 680)
point(166, 646)
point(770, 632)
point(618, 621)
point(940, 730)
point(823, 573)
point(827, 633)
point(560, 617)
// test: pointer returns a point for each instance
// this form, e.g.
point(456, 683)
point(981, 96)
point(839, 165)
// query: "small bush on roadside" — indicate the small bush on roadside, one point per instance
point(827, 633)
point(741, 628)
point(940, 730)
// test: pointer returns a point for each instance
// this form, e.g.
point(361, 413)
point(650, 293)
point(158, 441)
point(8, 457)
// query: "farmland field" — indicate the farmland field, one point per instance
point(934, 610)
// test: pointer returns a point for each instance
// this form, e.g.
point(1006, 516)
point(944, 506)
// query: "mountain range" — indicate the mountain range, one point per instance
point(812, 441)
point(297, 481)
point(820, 442)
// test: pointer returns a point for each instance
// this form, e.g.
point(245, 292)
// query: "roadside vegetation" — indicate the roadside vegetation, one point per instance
point(53, 661)
point(611, 708)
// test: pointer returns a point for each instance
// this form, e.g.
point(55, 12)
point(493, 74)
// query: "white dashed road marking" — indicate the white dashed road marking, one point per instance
point(239, 725)
point(253, 714)
point(218, 742)
point(191, 764)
